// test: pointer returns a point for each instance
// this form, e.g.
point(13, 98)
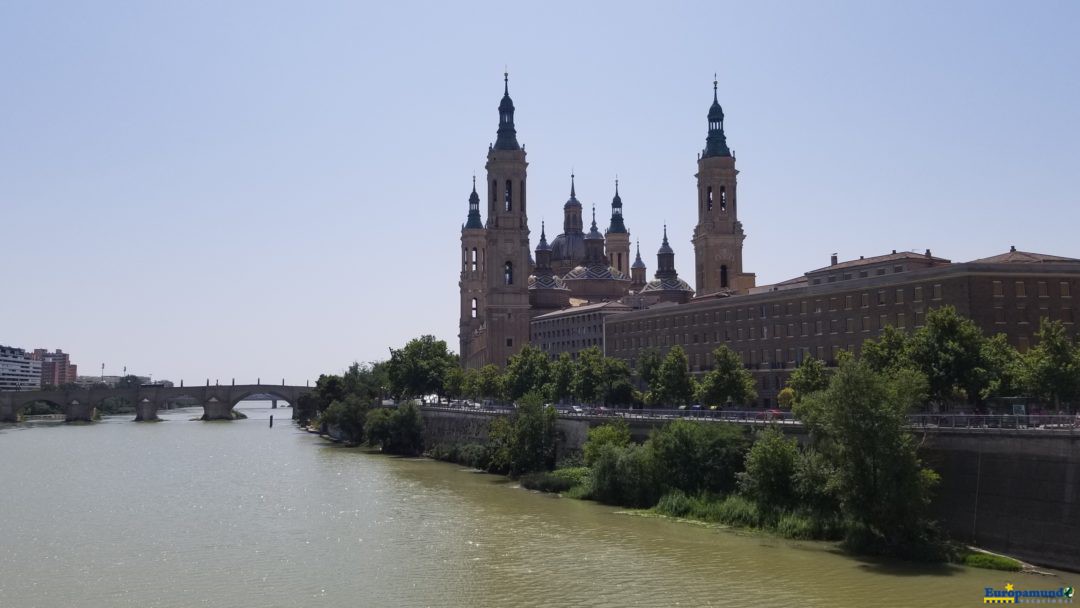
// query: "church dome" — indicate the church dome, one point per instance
point(567, 247)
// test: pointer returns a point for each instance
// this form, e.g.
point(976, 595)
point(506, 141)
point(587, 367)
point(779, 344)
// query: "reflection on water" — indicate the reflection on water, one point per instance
point(183, 513)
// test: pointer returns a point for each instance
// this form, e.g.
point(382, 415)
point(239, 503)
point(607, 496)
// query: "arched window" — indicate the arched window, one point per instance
point(474, 259)
point(508, 273)
point(509, 197)
point(723, 199)
point(708, 198)
point(723, 276)
point(475, 309)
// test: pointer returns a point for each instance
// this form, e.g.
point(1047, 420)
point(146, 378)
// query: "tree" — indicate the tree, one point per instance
point(489, 382)
point(525, 441)
point(770, 466)
point(673, 384)
point(616, 433)
point(527, 372)
point(349, 416)
point(810, 377)
point(589, 375)
point(454, 382)
point(648, 364)
point(727, 382)
point(419, 369)
point(1051, 370)
point(948, 350)
point(561, 384)
point(861, 423)
point(1004, 368)
point(368, 381)
point(615, 382)
point(397, 430)
point(888, 352)
point(698, 457)
point(786, 396)
point(470, 383)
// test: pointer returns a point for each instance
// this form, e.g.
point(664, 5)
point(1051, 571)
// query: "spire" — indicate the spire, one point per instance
point(593, 232)
point(507, 135)
point(543, 244)
point(716, 142)
point(616, 224)
point(665, 259)
point(637, 260)
point(573, 195)
point(474, 208)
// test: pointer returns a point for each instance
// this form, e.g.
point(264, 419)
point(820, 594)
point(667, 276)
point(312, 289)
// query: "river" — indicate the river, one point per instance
point(236, 514)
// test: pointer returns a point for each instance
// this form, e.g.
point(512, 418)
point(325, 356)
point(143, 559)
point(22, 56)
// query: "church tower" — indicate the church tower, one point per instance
point(616, 238)
point(472, 281)
point(718, 236)
point(506, 318)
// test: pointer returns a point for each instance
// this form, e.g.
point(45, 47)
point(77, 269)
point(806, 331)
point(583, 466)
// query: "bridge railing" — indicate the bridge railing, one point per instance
point(975, 422)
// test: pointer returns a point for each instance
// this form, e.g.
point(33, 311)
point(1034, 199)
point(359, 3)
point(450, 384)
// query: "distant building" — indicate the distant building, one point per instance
point(573, 329)
point(18, 370)
point(56, 367)
point(110, 381)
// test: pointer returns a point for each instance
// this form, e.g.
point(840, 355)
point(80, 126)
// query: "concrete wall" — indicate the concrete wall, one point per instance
point(1017, 493)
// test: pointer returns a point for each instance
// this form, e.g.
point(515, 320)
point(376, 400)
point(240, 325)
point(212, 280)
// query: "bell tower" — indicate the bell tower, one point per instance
point(471, 284)
point(616, 238)
point(718, 236)
point(506, 318)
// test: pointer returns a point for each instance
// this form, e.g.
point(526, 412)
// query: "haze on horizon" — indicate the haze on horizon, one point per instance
point(276, 190)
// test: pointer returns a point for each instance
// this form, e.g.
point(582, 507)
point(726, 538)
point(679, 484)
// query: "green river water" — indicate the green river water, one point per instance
point(235, 514)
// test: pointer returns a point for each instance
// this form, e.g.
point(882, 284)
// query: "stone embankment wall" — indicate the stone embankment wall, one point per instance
point(1013, 492)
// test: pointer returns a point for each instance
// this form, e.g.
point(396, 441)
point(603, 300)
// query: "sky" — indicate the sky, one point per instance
point(273, 190)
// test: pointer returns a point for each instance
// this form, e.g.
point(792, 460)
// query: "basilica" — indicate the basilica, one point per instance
point(504, 285)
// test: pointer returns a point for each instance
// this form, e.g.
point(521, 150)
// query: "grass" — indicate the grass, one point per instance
point(559, 480)
point(991, 562)
point(737, 511)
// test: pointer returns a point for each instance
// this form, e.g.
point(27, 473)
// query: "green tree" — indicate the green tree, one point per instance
point(1004, 368)
point(419, 369)
point(489, 382)
point(625, 476)
point(698, 457)
point(861, 423)
point(1051, 370)
point(524, 442)
point(528, 371)
point(349, 416)
point(470, 383)
point(888, 352)
point(616, 433)
point(589, 375)
point(673, 384)
point(949, 351)
point(561, 385)
point(648, 364)
point(770, 466)
point(810, 377)
point(369, 381)
point(615, 382)
point(786, 396)
point(454, 382)
point(397, 430)
point(727, 382)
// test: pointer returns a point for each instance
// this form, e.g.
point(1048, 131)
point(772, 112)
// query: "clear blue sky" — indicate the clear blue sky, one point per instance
point(219, 189)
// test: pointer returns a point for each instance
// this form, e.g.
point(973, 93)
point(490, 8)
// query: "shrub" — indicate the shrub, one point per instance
point(624, 476)
point(559, 480)
point(698, 457)
point(616, 433)
point(770, 465)
point(396, 431)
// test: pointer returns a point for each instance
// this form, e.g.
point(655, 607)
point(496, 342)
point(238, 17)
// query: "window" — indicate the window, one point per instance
point(1042, 290)
point(850, 325)
point(883, 320)
point(1065, 289)
point(723, 199)
point(474, 259)
point(863, 274)
point(999, 315)
point(881, 297)
point(1067, 315)
point(900, 295)
point(918, 318)
point(918, 295)
point(819, 327)
point(865, 300)
point(849, 302)
point(803, 306)
point(834, 325)
point(1022, 344)
point(475, 309)
point(508, 273)
point(937, 291)
point(866, 323)
point(898, 269)
point(509, 343)
point(999, 289)
point(723, 276)
point(901, 321)
point(708, 198)
point(805, 329)
point(1021, 289)
point(509, 196)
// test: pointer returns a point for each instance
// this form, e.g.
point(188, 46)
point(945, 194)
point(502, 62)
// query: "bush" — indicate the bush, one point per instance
point(770, 465)
point(524, 442)
point(396, 431)
point(559, 480)
point(624, 476)
point(991, 562)
point(616, 433)
point(698, 457)
point(733, 510)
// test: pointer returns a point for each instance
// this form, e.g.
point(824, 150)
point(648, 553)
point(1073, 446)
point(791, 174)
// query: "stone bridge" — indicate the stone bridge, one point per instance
point(81, 404)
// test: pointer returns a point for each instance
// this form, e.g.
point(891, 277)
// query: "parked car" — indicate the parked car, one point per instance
point(770, 414)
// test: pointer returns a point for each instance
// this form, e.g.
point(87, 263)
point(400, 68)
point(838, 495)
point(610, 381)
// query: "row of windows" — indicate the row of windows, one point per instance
point(863, 274)
point(761, 311)
point(1042, 290)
